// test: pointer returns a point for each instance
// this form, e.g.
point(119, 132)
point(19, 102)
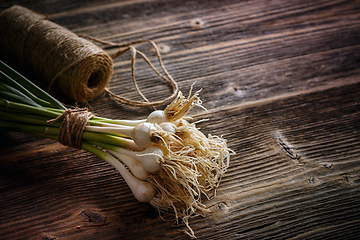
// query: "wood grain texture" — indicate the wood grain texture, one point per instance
point(281, 82)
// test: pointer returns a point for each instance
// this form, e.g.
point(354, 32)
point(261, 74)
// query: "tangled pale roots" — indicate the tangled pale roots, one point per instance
point(191, 171)
point(181, 106)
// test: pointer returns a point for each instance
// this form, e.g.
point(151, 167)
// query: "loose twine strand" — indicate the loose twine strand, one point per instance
point(129, 47)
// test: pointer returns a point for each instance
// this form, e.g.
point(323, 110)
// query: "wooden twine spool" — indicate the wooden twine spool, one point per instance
point(81, 69)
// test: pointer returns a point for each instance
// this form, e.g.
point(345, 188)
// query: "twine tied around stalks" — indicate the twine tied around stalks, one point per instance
point(81, 69)
point(72, 127)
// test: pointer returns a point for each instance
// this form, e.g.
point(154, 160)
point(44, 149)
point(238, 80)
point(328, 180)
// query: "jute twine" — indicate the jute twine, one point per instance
point(72, 127)
point(81, 69)
point(124, 47)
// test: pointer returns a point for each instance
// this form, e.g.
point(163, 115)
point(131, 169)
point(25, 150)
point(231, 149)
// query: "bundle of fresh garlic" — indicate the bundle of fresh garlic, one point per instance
point(164, 159)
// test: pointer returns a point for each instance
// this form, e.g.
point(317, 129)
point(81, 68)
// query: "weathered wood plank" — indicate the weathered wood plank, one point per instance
point(281, 81)
point(234, 64)
point(264, 190)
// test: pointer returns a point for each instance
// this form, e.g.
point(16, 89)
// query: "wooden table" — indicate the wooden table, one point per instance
point(281, 82)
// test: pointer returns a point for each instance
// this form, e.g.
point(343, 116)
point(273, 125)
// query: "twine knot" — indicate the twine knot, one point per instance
point(73, 126)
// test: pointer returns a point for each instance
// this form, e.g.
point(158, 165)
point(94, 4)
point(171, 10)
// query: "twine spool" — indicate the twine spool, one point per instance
point(81, 69)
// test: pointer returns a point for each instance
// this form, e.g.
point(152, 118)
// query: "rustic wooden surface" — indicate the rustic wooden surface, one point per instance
point(281, 82)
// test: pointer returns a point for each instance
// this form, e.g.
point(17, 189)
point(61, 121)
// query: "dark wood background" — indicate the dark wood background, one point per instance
point(281, 82)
